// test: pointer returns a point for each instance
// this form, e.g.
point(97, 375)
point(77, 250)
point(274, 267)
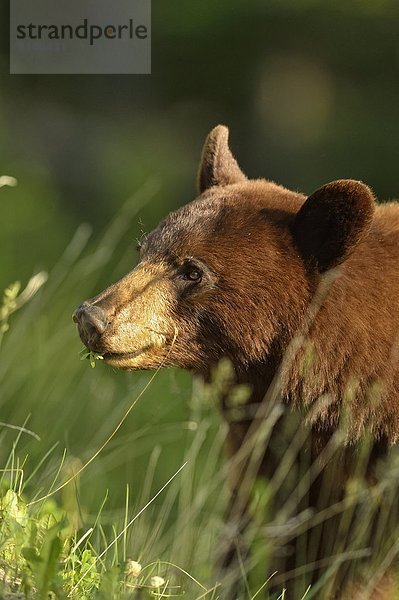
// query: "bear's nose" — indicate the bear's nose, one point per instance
point(92, 321)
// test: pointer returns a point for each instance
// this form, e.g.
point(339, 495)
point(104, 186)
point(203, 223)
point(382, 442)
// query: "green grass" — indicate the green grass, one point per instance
point(92, 460)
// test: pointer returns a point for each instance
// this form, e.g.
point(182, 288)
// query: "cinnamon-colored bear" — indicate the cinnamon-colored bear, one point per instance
point(302, 295)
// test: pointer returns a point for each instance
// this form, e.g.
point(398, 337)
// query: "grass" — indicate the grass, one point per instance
point(92, 460)
point(114, 485)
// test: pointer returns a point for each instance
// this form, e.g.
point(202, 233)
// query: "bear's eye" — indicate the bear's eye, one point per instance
point(193, 274)
point(190, 271)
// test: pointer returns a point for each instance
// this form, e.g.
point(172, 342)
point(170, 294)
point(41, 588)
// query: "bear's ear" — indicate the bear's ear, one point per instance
point(332, 222)
point(218, 166)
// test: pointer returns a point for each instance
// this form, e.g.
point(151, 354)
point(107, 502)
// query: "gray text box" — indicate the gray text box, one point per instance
point(80, 36)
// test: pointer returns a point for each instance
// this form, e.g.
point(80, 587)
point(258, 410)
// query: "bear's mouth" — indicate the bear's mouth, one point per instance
point(107, 356)
point(118, 356)
point(142, 359)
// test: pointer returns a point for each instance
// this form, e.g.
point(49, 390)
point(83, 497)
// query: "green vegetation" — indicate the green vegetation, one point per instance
point(90, 356)
point(89, 490)
point(41, 556)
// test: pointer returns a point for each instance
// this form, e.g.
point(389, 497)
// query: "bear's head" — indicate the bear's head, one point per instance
point(229, 274)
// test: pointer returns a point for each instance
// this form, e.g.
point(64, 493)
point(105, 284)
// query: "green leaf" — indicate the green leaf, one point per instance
point(45, 566)
point(31, 555)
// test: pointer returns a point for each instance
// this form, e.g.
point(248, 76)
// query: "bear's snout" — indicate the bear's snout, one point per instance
point(92, 321)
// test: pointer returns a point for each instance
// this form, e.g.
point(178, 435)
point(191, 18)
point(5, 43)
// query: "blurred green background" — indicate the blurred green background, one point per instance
point(310, 92)
point(308, 88)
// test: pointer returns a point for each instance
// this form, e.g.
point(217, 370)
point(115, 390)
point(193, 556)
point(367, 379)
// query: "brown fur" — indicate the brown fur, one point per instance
point(282, 278)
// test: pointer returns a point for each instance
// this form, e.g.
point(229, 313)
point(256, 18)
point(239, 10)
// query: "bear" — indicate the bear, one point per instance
point(299, 293)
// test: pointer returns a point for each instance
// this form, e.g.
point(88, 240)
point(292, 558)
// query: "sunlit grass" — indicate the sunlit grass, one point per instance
point(81, 499)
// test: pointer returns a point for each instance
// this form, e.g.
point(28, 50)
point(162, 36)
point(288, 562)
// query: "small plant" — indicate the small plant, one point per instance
point(8, 306)
point(14, 299)
point(42, 557)
point(91, 356)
